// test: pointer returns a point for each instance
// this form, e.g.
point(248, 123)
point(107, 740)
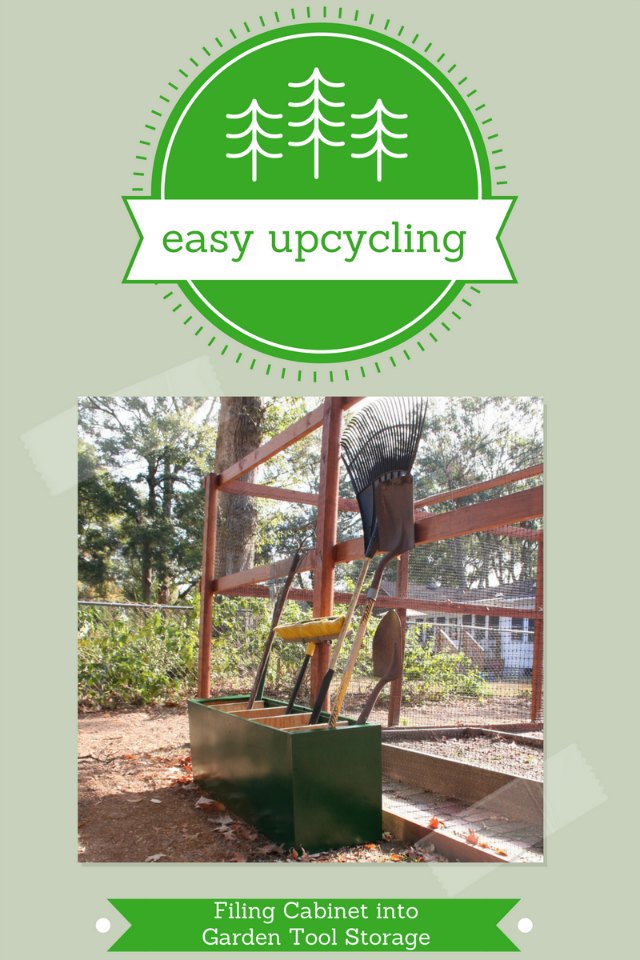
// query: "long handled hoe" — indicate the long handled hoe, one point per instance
point(258, 683)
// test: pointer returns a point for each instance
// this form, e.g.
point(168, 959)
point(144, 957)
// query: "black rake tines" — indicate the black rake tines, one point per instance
point(381, 440)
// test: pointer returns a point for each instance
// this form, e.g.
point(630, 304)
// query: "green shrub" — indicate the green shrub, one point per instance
point(127, 659)
point(435, 677)
point(133, 657)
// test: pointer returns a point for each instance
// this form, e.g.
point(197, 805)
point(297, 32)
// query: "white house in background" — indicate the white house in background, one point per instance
point(506, 642)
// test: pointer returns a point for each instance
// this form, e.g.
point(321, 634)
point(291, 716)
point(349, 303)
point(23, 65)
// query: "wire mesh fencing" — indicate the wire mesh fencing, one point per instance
point(460, 667)
point(470, 630)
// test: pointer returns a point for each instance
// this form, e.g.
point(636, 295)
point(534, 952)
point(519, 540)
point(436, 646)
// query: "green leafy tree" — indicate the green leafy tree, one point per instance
point(152, 451)
point(467, 440)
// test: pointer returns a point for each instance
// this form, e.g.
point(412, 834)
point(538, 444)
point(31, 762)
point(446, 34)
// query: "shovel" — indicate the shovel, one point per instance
point(387, 658)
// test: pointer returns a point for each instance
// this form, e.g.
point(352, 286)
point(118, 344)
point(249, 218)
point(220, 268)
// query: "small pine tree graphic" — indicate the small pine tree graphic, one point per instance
point(379, 148)
point(316, 118)
point(254, 131)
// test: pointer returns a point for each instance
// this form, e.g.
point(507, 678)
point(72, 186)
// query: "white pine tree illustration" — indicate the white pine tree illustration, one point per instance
point(316, 118)
point(379, 148)
point(254, 131)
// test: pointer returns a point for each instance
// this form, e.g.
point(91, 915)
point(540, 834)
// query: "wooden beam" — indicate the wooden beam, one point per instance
point(348, 504)
point(481, 485)
point(206, 584)
point(392, 603)
point(326, 533)
point(515, 507)
point(515, 532)
point(280, 493)
point(301, 428)
point(429, 733)
point(395, 690)
point(268, 571)
point(444, 843)
point(505, 794)
point(538, 642)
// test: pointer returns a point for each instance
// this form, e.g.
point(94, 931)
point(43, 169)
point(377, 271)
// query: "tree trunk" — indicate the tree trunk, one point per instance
point(240, 428)
point(147, 564)
point(167, 508)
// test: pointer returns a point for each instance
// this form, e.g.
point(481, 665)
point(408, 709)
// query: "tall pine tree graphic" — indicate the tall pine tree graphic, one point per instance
point(254, 131)
point(379, 131)
point(316, 119)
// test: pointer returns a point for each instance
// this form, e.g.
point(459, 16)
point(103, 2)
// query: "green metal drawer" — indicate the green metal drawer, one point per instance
point(315, 788)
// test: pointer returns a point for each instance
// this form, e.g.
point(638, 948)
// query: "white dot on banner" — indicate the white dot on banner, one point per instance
point(525, 925)
point(103, 925)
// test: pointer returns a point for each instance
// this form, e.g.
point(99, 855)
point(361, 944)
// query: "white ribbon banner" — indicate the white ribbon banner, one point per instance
point(319, 240)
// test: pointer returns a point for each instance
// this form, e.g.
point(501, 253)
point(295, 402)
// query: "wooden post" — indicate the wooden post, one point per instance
point(206, 583)
point(402, 586)
point(326, 532)
point(538, 640)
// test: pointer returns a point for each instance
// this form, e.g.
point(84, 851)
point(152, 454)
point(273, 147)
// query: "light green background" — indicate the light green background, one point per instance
point(559, 79)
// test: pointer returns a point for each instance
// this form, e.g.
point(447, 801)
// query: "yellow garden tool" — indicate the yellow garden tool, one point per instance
point(317, 631)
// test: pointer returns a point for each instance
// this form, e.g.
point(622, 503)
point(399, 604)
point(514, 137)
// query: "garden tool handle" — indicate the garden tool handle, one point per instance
point(328, 677)
point(372, 594)
point(310, 649)
point(258, 683)
point(371, 700)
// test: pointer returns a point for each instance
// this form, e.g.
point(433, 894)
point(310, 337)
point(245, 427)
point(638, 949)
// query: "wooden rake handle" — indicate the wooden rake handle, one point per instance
point(335, 653)
point(372, 594)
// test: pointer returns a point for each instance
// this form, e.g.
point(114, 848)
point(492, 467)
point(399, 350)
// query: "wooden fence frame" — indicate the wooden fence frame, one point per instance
point(499, 515)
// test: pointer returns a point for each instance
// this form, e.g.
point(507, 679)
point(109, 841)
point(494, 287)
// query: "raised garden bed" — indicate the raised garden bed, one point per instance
point(428, 763)
point(494, 751)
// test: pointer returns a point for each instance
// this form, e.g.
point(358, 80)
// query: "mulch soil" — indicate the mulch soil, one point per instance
point(496, 753)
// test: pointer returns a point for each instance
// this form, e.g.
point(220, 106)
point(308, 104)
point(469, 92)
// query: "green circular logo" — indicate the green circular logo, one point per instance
point(321, 193)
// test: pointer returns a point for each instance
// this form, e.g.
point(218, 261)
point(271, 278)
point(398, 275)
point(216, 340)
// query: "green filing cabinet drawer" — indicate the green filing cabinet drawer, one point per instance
point(315, 789)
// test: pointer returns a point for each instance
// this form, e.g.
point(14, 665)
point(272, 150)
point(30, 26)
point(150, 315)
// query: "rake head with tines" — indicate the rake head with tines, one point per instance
point(379, 446)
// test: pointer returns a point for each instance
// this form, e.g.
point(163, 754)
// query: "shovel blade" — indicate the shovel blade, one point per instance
point(394, 514)
point(387, 642)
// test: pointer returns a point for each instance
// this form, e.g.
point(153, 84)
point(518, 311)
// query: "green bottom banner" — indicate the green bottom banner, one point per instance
point(313, 925)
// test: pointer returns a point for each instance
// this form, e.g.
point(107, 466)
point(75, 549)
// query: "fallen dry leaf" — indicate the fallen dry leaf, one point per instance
point(221, 820)
point(155, 857)
point(271, 848)
point(434, 823)
point(226, 832)
point(183, 778)
point(472, 837)
point(206, 803)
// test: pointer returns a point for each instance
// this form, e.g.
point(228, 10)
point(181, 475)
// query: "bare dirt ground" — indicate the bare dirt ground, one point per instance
point(496, 753)
point(137, 801)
